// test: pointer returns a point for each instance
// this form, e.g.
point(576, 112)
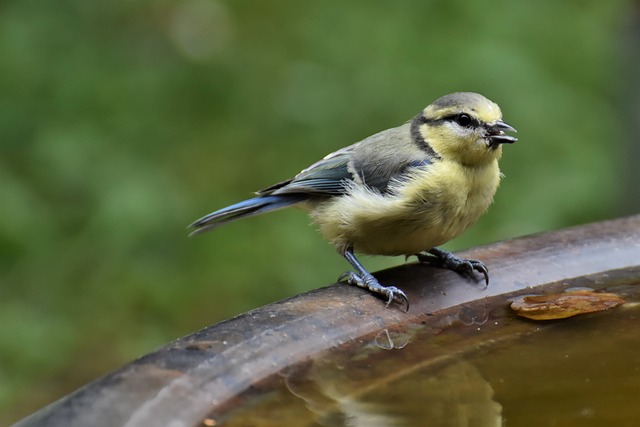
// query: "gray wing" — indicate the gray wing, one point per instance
point(329, 177)
point(375, 162)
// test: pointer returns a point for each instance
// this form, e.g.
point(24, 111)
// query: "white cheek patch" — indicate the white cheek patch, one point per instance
point(472, 136)
point(459, 131)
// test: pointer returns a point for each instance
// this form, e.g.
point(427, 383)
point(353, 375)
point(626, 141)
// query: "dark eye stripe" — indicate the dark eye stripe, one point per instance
point(452, 118)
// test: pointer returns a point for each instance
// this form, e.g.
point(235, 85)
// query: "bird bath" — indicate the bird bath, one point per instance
point(459, 357)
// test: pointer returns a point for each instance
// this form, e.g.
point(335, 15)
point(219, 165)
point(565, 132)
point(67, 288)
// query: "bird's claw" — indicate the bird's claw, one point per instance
point(391, 293)
point(474, 264)
point(466, 267)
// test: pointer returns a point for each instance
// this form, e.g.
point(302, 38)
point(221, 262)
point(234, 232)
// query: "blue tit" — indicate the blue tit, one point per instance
point(402, 191)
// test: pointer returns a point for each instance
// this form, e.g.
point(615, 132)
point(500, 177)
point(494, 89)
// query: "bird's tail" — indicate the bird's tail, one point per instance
point(246, 208)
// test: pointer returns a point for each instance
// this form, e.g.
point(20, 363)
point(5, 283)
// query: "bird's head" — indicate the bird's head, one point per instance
point(465, 127)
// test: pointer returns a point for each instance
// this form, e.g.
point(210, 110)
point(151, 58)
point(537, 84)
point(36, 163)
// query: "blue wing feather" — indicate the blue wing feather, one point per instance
point(244, 209)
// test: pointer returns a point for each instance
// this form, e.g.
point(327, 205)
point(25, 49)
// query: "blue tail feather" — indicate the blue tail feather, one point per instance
point(244, 209)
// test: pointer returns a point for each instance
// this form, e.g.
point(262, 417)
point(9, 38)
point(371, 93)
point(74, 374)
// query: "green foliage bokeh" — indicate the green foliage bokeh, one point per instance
point(123, 121)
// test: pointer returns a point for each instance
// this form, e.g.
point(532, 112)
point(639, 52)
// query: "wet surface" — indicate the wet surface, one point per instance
point(501, 370)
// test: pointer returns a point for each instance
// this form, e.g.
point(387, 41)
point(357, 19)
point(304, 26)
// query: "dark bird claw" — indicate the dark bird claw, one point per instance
point(466, 267)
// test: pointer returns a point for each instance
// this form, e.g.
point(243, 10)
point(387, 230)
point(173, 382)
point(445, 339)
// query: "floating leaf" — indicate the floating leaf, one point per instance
point(566, 304)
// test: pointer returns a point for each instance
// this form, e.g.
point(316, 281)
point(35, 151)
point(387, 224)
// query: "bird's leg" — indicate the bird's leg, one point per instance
point(364, 279)
point(441, 258)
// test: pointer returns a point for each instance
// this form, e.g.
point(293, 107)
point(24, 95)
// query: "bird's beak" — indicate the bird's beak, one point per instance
point(497, 134)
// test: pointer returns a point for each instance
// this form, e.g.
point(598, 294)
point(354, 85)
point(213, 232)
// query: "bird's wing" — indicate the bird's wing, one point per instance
point(370, 162)
point(328, 177)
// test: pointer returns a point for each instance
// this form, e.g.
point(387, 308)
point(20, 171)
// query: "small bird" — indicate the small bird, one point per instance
point(402, 191)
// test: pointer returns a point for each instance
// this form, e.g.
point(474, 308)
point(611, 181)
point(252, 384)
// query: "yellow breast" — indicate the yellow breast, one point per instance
point(432, 207)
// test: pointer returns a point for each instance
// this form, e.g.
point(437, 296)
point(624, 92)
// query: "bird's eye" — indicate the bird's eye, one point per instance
point(464, 120)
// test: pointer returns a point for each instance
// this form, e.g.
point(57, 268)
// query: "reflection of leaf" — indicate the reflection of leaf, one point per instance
point(567, 304)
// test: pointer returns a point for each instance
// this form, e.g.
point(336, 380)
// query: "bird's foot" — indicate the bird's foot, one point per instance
point(466, 267)
point(367, 281)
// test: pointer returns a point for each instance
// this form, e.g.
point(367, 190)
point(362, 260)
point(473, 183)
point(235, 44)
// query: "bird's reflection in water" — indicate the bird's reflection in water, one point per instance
point(452, 393)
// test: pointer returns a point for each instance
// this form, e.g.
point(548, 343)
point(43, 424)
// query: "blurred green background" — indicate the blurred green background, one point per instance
point(124, 121)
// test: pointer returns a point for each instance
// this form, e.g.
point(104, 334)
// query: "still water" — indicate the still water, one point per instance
point(473, 366)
